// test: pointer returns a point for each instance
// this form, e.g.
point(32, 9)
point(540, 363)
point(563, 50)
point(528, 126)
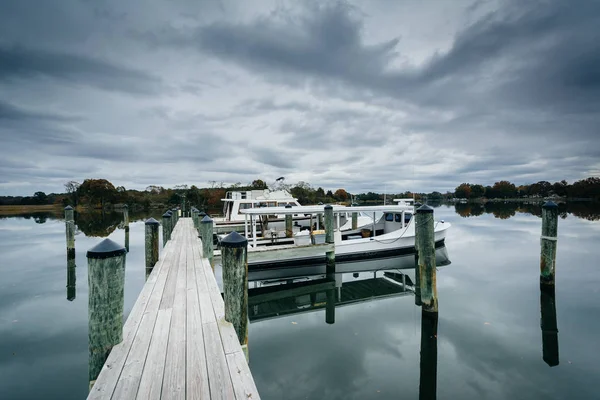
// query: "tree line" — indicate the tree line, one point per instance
point(101, 193)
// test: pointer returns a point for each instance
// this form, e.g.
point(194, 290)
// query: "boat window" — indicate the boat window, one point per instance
point(244, 206)
point(407, 217)
point(389, 217)
point(398, 217)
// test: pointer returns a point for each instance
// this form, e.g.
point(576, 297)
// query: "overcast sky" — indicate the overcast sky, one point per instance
point(365, 95)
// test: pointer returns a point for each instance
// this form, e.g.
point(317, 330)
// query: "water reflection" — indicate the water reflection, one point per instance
point(549, 325)
point(428, 364)
point(71, 277)
point(504, 210)
point(279, 297)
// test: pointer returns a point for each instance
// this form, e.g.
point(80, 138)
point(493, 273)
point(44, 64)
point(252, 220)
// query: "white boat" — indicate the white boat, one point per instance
point(236, 201)
point(392, 236)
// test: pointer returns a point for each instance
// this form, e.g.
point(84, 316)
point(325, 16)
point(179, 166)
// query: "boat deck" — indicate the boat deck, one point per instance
point(176, 342)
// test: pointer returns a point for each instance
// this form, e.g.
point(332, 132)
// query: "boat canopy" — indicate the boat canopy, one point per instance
point(320, 209)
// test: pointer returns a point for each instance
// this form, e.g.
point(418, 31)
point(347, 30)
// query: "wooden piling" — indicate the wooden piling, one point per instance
point(289, 231)
point(195, 217)
point(354, 220)
point(206, 234)
point(151, 244)
point(126, 225)
point(425, 246)
point(548, 242)
point(329, 238)
point(166, 227)
point(70, 230)
point(428, 362)
point(175, 218)
point(234, 259)
point(106, 282)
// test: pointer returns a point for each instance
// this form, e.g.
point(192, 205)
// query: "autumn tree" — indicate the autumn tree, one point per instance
point(504, 189)
point(97, 190)
point(341, 195)
point(463, 191)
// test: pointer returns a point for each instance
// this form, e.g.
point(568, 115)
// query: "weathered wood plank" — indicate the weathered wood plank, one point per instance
point(174, 377)
point(196, 371)
point(219, 378)
point(231, 343)
point(169, 294)
point(152, 376)
point(206, 310)
point(243, 383)
point(213, 290)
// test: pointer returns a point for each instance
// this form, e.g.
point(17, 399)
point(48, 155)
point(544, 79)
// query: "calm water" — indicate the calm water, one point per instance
point(489, 339)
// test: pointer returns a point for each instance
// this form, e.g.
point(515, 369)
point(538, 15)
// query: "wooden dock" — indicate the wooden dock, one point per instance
point(176, 342)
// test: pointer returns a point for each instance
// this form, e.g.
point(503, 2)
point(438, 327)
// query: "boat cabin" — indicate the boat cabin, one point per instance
point(235, 201)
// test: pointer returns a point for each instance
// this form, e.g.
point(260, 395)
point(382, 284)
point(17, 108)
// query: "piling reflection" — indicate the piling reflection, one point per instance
point(71, 277)
point(428, 365)
point(549, 325)
point(279, 297)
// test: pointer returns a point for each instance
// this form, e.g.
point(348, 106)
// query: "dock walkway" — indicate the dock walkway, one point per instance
point(176, 342)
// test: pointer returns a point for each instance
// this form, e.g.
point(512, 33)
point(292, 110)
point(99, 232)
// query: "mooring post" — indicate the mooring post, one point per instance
point(428, 365)
point(166, 223)
point(289, 232)
point(329, 238)
point(234, 258)
point(548, 242)
point(151, 244)
point(70, 230)
point(549, 325)
point(175, 218)
point(201, 215)
point(206, 234)
point(354, 220)
point(195, 217)
point(126, 225)
point(425, 244)
point(106, 281)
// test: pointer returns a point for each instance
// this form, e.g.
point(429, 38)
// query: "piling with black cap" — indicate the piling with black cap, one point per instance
point(548, 242)
point(70, 230)
point(288, 223)
point(194, 212)
point(183, 215)
point(329, 238)
point(106, 281)
point(354, 220)
point(151, 244)
point(175, 218)
point(234, 259)
point(206, 234)
point(425, 246)
point(166, 227)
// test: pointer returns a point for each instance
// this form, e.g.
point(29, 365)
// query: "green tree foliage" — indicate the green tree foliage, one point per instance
point(40, 198)
point(258, 184)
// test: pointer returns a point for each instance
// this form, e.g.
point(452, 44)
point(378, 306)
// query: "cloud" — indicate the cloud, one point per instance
point(20, 63)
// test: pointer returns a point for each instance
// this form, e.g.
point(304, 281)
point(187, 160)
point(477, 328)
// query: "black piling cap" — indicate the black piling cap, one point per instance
point(67, 208)
point(234, 240)
point(201, 214)
point(206, 220)
point(328, 207)
point(288, 205)
point(106, 249)
point(424, 209)
point(125, 206)
point(550, 204)
point(417, 205)
point(152, 221)
point(168, 214)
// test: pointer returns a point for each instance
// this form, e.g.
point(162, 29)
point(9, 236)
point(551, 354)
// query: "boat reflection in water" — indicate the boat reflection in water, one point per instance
point(404, 262)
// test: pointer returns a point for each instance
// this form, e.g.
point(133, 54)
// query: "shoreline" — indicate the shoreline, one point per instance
point(25, 209)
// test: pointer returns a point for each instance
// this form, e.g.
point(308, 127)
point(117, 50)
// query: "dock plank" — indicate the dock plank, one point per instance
point(219, 378)
point(176, 343)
